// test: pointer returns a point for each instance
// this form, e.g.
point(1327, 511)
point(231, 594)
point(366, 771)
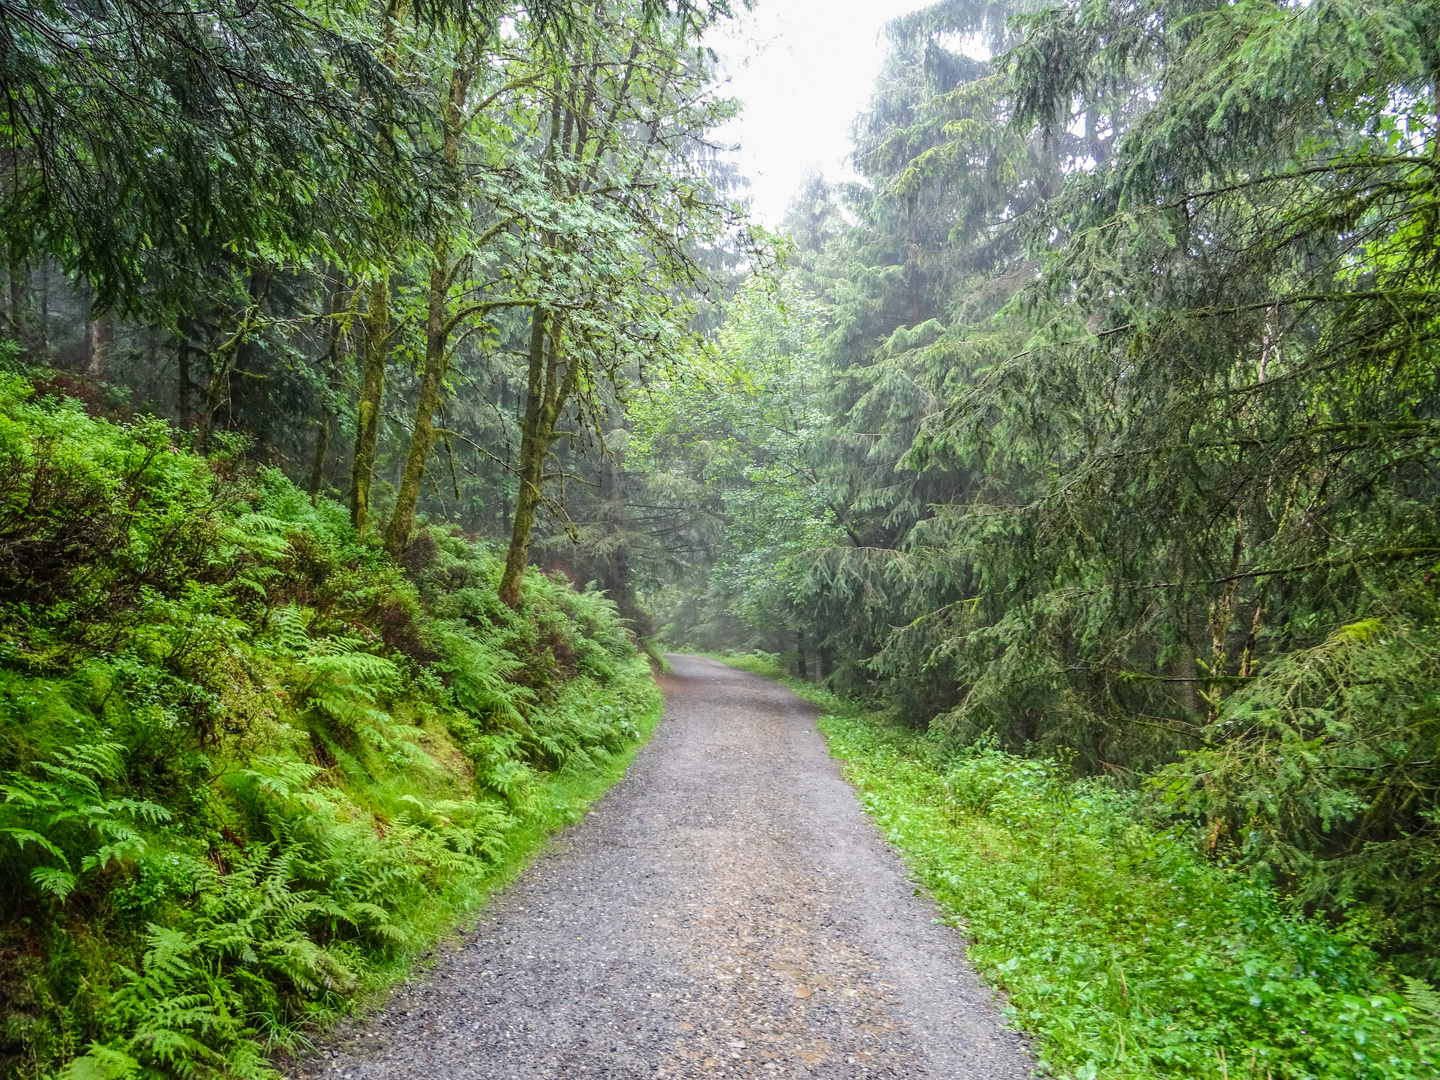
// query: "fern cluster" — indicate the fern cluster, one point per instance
point(248, 764)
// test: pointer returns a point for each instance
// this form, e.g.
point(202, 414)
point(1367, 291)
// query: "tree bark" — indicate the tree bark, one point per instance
point(322, 448)
point(534, 445)
point(101, 336)
point(377, 320)
point(534, 431)
point(1221, 610)
point(372, 390)
point(214, 393)
point(218, 387)
point(437, 340)
point(19, 276)
point(617, 559)
point(422, 437)
point(328, 365)
point(43, 330)
point(184, 392)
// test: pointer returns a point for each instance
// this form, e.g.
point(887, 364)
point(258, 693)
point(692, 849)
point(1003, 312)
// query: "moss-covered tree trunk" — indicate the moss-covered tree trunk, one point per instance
point(537, 427)
point(422, 437)
point(217, 390)
point(372, 391)
point(534, 445)
point(185, 385)
point(376, 343)
point(437, 338)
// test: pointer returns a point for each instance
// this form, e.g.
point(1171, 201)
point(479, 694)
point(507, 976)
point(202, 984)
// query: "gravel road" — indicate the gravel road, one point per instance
point(727, 909)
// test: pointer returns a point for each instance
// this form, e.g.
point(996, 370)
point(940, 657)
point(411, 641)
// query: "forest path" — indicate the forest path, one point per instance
point(726, 909)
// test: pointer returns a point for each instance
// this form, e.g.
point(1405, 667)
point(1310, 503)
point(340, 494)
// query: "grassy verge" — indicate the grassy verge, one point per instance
point(1123, 952)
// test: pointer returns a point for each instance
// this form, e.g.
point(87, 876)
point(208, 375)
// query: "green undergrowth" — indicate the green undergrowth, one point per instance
point(1123, 951)
point(250, 766)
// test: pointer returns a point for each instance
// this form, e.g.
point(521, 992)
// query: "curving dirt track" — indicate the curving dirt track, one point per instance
point(726, 910)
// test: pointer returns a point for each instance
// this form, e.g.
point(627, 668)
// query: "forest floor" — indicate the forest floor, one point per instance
point(727, 908)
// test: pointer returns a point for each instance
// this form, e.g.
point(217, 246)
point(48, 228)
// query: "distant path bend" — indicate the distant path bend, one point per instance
point(726, 909)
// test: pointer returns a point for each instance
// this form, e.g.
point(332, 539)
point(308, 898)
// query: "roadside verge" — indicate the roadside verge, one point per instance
point(1124, 953)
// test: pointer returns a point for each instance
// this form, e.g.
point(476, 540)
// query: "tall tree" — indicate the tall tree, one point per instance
point(618, 206)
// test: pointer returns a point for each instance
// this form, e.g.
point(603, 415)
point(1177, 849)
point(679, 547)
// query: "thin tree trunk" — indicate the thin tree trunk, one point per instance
point(617, 562)
point(19, 300)
point(186, 387)
point(534, 444)
point(534, 432)
point(218, 388)
point(44, 329)
point(912, 258)
point(422, 438)
point(101, 337)
point(372, 390)
point(214, 393)
point(1221, 610)
point(437, 338)
point(327, 365)
point(322, 448)
point(377, 323)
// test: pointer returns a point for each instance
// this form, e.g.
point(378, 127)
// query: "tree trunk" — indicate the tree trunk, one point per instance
point(437, 334)
point(542, 403)
point(322, 448)
point(214, 393)
point(327, 366)
point(1221, 610)
point(617, 561)
point(185, 389)
point(19, 300)
point(43, 332)
point(372, 389)
point(422, 438)
point(101, 337)
point(915, 282)
point(534, 444)
point(377, 321)
point(218, 388)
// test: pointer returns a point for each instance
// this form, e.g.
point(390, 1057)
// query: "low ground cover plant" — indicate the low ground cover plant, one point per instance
point(1122, 949)
point(249, 765)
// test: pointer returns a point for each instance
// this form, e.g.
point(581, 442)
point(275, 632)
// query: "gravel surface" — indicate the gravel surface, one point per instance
point(726, 909)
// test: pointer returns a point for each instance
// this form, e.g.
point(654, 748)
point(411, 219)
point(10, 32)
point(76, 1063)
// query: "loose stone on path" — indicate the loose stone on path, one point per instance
point(726, 909)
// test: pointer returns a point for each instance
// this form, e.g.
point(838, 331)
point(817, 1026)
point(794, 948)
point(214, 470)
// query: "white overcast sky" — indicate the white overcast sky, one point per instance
point(803, 68)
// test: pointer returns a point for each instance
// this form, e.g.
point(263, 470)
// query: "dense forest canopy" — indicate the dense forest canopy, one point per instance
point(244, 218)
point(1098, 420)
